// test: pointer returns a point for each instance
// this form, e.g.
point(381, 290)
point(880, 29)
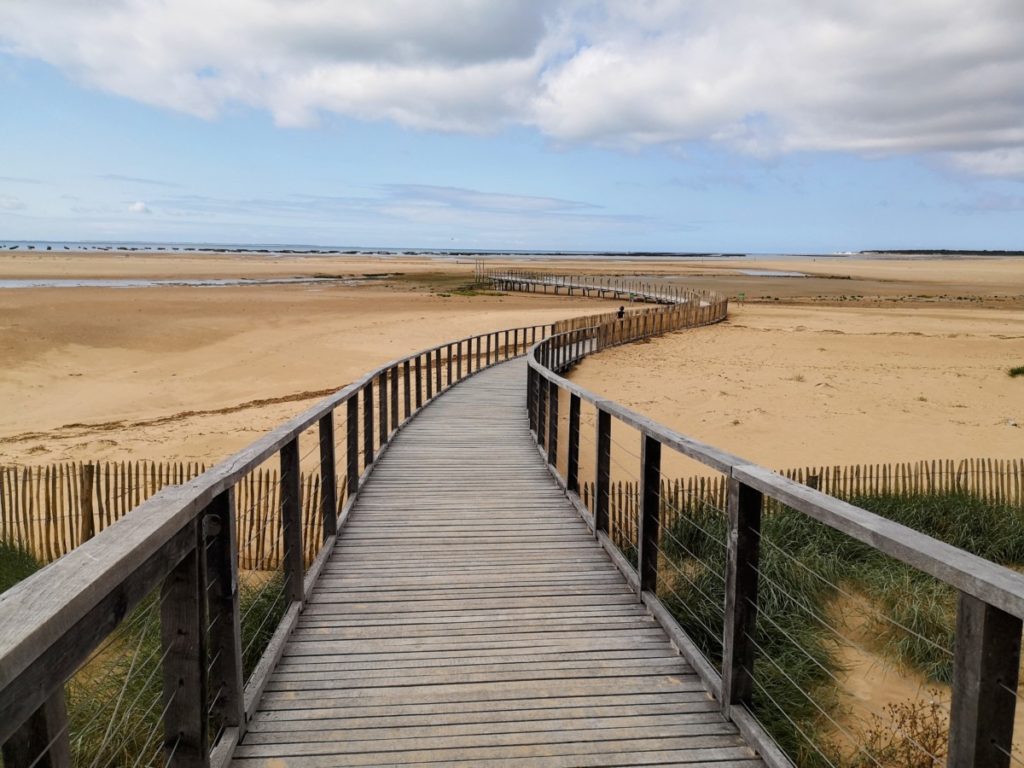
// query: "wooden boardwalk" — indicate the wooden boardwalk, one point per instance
point(467, 617)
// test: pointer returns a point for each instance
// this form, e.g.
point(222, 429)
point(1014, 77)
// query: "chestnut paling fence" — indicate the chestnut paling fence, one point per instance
point(51, 509)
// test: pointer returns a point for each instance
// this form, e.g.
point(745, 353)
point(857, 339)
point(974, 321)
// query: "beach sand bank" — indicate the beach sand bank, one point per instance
point(178, 373)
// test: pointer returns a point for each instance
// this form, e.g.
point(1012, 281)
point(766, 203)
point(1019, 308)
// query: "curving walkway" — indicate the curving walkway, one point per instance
point(467, 617)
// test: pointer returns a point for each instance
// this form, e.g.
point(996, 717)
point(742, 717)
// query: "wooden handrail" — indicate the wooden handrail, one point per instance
point(52, 621)
point(991, 597)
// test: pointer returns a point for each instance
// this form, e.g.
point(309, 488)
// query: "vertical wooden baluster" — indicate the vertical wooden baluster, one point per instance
point(328, 477)
point(407, 387)
point(742, 551)
point(650, 501)
point(986, 661)
point(394, 397)
point(602, 464)
point(183, 638)
point(352, 442)
point(226, 681)
point(382, 408)
point(553, 424)
point(572, 468)
point(418, 365)
point(368, 424)
point(42, 741)
point(291, 521)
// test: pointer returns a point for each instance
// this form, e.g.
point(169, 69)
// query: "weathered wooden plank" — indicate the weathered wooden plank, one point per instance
point(453, 625)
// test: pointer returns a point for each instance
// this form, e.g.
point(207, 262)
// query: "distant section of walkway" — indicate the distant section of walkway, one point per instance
point(467, 617)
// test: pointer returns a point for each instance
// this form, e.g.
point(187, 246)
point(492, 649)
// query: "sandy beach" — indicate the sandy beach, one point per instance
point(797, 376)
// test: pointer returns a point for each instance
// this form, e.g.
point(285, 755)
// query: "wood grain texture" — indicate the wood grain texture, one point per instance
point(470, 623)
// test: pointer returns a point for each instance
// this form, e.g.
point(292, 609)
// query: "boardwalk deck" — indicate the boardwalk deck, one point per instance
point(467, 617)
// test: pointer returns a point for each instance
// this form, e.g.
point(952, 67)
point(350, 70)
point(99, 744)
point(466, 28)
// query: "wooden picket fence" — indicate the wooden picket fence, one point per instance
point(994, 480)
point(52, 509)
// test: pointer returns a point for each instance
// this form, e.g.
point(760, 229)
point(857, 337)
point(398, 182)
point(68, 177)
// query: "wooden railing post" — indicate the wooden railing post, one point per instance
point(488, 357)
point(458, 361)
point(602, 465)
point(742, 548)
point(552, 424)
point(407, 387)
point(542, 391)
point(448, 362)
point(42, 741)
point(437, 369)
point(531, 398)
point(419, 380)
point(394, 397)
point(986, 660)
point(572, 464)
point(183, 640)
point(352, 443)
point(650, 504)
point(368, 424)
point(328, 476)
point(291, 521)
point(225, 626)
point(382, 407)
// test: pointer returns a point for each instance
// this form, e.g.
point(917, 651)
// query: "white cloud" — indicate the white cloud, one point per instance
point(873, 77)
point(8, 203)
point(138, 207)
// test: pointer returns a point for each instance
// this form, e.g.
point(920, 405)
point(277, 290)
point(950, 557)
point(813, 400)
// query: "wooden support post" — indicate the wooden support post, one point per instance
point(542, 391)
point(382, 408)
point(225, 628)
point(291, 521)
point(419, 380)
point(650, 505)
point(448, 362)
point(986, 660)
point(488, 357)
point(602, 464)
point(552, 424)
point(394, 397)
point(458, 361)
point(368, 424)
point(183, 639)
point(506, 343)
point(741, 558)
point(352, 443)
point(42, 740)
point(437, 368)
point(88, 528)
point(407, 388)
point(531, 398)
point(328, 477)
point(572, 469)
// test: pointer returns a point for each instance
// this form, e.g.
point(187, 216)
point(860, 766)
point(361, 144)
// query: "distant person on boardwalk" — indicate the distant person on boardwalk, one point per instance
point(622, 312)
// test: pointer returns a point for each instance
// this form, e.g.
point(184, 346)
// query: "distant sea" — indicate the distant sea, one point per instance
point(454, 254)
point(299, 250)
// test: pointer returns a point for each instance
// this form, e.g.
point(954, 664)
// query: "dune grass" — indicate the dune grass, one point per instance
point(1015, 371)
point(16, 563)
point(805, 570)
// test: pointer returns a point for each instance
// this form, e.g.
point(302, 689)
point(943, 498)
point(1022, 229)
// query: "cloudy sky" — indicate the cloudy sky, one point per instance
point(747, 125)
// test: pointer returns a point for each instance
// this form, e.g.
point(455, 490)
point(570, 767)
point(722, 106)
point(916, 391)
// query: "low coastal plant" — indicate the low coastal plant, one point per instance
point(16, 563)
point(806, 570)
point(115, 701)
point(1017, 370)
